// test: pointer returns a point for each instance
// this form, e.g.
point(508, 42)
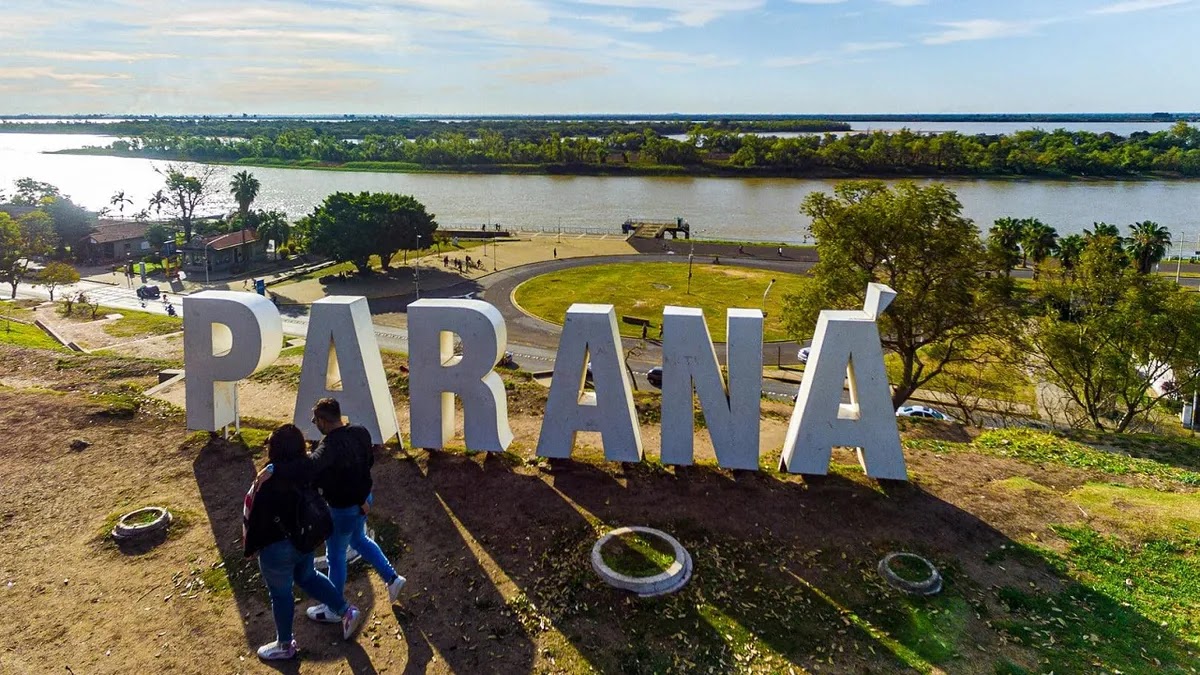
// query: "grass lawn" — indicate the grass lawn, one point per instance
point(143, 324)
point(643, 289)
point(23, 334)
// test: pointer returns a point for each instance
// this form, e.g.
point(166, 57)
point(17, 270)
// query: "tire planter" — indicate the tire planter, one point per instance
point(129, 526)
point(672, 579)
point(930, 585)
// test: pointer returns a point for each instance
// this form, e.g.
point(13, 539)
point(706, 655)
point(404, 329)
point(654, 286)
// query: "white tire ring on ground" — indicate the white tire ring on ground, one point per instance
point(124, 530)
point(931, 585)
point(663, 583)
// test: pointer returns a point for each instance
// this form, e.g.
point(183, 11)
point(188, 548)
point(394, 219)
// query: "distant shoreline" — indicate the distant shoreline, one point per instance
point(617, 170)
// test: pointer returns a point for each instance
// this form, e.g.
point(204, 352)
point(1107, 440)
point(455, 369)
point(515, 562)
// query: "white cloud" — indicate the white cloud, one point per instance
point(906, 3)
point(857, 47)
point(97, 55)
point(622, 22)
point(818, 2)
point(692, 13)
point(981, 29)
point(1136, 6)
point(795, 61)
point(73, 80)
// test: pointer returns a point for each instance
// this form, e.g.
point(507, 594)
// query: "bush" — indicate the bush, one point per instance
point(283, 252)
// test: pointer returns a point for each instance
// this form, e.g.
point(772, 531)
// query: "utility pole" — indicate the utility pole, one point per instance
point(689, 285)
point(1179, 260)
point(417, 269)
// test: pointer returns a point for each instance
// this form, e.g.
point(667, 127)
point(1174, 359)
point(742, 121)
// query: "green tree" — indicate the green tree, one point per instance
point(71, 221)
point(185, 193)
point(1110, 335)
point(352, 228)
point(915, 240)
point(30, 236)
point(30, 192)
point(244, 188)
point(57, 274)
point(1069, 249)
point(1147, 244)
point(1038, 241)
point(273, 225)
point(158, 234)
point(1004, 244)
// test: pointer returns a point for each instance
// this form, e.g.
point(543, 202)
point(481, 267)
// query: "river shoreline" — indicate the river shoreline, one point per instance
point(618, 170)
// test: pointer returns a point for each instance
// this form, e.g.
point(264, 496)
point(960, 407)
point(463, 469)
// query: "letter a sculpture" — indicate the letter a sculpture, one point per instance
point(846, 347)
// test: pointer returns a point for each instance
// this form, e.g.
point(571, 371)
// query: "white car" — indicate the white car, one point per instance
point(803, 354)
point(923, 412)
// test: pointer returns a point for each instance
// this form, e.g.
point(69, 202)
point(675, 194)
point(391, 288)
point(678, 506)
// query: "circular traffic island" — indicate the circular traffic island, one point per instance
point(641, 290)
point(642, 560)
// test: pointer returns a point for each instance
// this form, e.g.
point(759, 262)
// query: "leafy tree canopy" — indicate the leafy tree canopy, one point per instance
point(915, 240)
point(353, 227)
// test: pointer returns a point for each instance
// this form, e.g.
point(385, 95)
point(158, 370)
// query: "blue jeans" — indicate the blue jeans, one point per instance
point(282, 565)
point(350, 529)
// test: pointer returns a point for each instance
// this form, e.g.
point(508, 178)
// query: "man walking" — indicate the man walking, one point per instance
point(340, 466)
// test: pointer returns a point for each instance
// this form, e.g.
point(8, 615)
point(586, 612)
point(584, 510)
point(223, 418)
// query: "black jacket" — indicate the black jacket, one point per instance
point(273, 514)
point(340, 467)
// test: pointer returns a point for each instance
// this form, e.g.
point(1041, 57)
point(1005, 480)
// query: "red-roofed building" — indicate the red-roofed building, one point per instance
point(223, 253)
point(117, 240)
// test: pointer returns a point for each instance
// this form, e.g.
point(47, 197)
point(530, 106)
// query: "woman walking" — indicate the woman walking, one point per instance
point(271, 524)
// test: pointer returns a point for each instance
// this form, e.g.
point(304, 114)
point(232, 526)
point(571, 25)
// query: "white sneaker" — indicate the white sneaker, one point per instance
point(394, 588)
point(277, 651)
point(322, 614)
point(351, 620)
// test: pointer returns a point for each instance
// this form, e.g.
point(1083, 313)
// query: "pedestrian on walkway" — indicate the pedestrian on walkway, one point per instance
point(780, 251)
point(556, 253)
point(340, 466)
point(271, 523)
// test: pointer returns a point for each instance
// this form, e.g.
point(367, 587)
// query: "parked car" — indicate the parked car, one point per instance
point(803, 354)
point(148, 292)
point(923, 412)
point(654, 377)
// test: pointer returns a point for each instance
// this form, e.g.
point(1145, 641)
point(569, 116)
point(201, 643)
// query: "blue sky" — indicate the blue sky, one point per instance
point(595, 56)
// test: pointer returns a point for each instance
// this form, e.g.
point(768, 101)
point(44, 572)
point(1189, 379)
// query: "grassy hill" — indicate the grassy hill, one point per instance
point(1058, 555)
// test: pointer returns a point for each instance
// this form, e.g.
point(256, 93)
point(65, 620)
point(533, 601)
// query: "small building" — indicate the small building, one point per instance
point(118, 240)
point(223, 254)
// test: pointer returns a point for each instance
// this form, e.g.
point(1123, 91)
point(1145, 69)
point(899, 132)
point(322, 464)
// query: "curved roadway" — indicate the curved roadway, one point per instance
point(523, 329)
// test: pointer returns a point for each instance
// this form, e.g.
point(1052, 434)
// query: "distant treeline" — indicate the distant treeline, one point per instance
point(526, 129)
point(707, 150)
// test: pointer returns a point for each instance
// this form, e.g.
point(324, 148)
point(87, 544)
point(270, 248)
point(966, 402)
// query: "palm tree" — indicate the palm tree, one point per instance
point(158, 201)
point(1070, 248)
point(1102, 229)
point(119, 200)
point(1038, 241)
point(1004, 243)
point(244, 188)
point(1147, 244)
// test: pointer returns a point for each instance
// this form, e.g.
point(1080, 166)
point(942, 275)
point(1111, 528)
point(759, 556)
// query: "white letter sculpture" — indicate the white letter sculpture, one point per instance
point(436, 374)
point(590, 331)
point(340, 349)
point(846, 344)
point(227, 336)
point(689, 359)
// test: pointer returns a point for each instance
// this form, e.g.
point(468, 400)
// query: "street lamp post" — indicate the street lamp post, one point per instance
point(494, 263)
point(764, 302)
point(689, 286)
point(207, 264)
point(417, 268)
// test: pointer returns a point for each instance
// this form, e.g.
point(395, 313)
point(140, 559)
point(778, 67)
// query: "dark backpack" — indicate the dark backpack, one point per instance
point(314, 523)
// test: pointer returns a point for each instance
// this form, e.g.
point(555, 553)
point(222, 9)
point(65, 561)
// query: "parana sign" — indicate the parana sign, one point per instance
point(229, 335)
